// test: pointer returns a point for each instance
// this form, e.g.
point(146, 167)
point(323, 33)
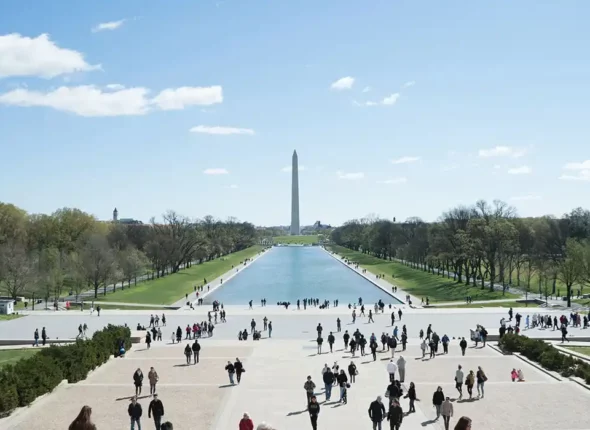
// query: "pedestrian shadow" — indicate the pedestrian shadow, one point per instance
point(474, 399)
point(181, 365)
point(386, 358)
point(427, 423)
point(130, 397)
point(290, 414)
point(367, 362)
point(227, 385)
point(338, 405)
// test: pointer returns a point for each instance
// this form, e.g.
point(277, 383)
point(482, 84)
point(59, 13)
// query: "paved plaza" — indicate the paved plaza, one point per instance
point(200, 397)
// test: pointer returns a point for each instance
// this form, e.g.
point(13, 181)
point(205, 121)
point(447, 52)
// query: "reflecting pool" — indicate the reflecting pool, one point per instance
point(297, 272)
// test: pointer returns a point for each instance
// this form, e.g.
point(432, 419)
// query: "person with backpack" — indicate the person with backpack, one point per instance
point(481, 380)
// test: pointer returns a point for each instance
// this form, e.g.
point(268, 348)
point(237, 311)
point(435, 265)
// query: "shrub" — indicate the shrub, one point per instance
point(546, 355)
point(30, 378)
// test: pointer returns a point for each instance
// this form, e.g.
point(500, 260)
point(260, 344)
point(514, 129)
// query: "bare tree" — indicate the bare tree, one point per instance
point(17, 269)
point(98, 262)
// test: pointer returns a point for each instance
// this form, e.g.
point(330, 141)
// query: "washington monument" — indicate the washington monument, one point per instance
point(295, 196)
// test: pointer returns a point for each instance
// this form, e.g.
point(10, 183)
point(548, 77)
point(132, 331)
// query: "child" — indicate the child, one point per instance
point(514, 375)
point(520, 376)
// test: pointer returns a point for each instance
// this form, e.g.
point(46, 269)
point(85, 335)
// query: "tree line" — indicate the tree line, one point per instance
point(484, 242)
point(46, 256)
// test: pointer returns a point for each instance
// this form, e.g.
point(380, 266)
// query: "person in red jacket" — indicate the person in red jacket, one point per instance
point(246, 423)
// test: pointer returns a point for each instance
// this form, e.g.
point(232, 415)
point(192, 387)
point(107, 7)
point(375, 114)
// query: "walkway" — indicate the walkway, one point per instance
point(200, 397)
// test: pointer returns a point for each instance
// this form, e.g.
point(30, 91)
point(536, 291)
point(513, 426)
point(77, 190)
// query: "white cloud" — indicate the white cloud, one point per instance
point(215, 171)
point(394, 181)
point(502, 151)
point(86, 100)
point(114, 87)
point(526, 197)
point(233, 186)
point(222, 131)
point(289, 168)
point(497, 166)
point(351, 176)
point(522, 170)
point(582, 175)
point(584, 165)
point(390, 100)
point(366, 89)
point(345, 83)
point(405, 160)
point(38, 56)
point(409, 84)
point(111, 25)
point(90, 101)
point(179, 98)
point(386, 101)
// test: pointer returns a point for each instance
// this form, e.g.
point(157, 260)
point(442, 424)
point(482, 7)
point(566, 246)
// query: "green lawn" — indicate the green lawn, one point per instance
point(419, 283)
point(303, 239)
point(583, 302)
point(9, 317)
point(123, 307)
point(172, 288)
point(11, 356)
point(498, 304)
point(579, 349)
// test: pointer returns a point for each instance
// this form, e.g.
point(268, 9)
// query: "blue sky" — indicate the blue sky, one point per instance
point(397, 108)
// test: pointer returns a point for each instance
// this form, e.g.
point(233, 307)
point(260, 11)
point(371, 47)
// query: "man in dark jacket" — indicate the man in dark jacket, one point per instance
point(331, 340)
point(196, 348)
point(377, 413)
point(328, 382)
point(314, 410)
point(395, 415)
point(156, 409)
point(135, 412)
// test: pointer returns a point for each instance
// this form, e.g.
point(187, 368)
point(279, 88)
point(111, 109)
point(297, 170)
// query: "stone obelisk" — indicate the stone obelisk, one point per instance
point(295, 195)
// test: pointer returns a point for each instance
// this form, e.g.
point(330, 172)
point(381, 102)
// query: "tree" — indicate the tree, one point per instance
point(570, 268)
point(77, 273)
point(132, 263)
point(17, 268)
point(98, 262)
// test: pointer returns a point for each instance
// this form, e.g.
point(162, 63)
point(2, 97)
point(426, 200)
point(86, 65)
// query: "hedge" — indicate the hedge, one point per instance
point(546, 355)
point(32, 377)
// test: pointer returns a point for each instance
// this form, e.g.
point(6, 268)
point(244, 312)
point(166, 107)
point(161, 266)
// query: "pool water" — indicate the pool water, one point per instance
point(298, 272)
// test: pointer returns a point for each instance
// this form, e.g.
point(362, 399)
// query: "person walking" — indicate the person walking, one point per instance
point(412, 397)
point(246, 422)
point(437, 400)
point(373, 346)
point(401, 367)
point(423, 347)
point(83, 420)
point(391, 369)
point(134, 411)
point(320, 340)
point(187, 353)
point(342, 383)
point(481, 380)
point(309, 388)
point(459, 381)
point(156, 408)
point(36, 336)
point(328, 378)
point(239, 367)
point(196, 350)
point(153, 378)
point(395, 415)
point(463, 346)
point(138, 381)
point(377, 413)
point(469, 382)
point(445, 343)
point(230, 372)
point(331, 340)
point(43, 336)
point(352, 371)
point(447, 412)
point(314, 410)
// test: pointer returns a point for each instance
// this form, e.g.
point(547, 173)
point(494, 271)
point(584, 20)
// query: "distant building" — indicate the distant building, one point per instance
point(124, 220)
